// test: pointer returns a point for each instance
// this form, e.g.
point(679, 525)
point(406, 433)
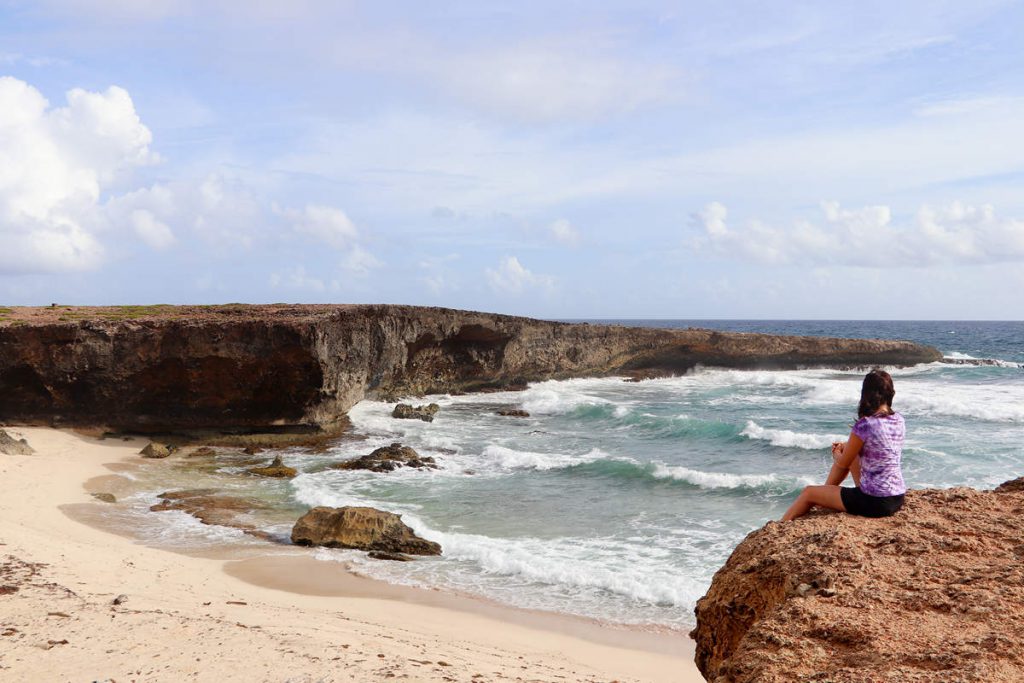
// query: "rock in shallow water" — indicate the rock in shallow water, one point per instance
point(275, 469)
point(404, 411)
point(209, 506)
point(388, 459)
point(156, 450)
point(360, 528)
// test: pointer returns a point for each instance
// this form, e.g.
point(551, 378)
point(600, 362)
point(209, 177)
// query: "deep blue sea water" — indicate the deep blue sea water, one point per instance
point(619, 500)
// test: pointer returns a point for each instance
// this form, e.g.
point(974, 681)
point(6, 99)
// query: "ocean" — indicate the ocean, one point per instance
point(617, 500)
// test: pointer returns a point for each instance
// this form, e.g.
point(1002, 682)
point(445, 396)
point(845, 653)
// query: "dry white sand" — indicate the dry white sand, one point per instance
point(186, 618)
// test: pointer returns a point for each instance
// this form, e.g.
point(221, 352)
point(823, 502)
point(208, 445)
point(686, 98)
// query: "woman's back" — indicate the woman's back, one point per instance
point(880, 473)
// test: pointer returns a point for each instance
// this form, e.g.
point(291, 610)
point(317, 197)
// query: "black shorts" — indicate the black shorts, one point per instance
point(857, 502)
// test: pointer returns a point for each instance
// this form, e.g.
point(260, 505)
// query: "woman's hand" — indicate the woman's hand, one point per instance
point(838, 449)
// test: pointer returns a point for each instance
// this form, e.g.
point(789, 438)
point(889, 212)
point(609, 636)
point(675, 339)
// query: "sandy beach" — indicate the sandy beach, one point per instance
point(261, 619)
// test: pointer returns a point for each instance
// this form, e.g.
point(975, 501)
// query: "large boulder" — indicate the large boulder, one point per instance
point(156, 450)
point(11, 446)
point(276, 469)
point(404, 411)
point(360, 528)
point(388, 459)
point(933, 593)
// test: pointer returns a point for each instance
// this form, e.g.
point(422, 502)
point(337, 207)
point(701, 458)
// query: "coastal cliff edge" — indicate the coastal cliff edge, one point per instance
point(151, 368)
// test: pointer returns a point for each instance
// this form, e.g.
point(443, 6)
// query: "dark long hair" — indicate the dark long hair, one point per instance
point(876, 392)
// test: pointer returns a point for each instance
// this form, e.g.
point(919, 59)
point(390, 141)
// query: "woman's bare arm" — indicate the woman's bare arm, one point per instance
point(843, 456)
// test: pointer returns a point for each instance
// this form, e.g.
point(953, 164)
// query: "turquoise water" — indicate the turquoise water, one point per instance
point(619, 500)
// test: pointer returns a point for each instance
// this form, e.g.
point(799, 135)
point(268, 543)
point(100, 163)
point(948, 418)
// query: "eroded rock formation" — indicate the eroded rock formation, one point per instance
point(360, 528)
point(388, 459)
point(302, 367)
point(210, 506)
point(156, 451)
point(934, 593)
point(276, 469)
point(405, 411)
point(11, 446)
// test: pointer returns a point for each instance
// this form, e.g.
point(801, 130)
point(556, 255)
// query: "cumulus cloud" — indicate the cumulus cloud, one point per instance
point(56, 163)
point(325, 224)
point(152, 231)
point(359, 262)
point(221, 211)
point(331, 226)
point(564, 233)
point(513, 278)
point(955, 234)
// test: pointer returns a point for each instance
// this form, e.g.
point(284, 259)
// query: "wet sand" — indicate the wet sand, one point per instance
point(268, 617)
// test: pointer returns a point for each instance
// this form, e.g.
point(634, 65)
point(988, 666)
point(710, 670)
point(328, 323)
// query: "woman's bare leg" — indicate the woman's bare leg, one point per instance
point(825, 496)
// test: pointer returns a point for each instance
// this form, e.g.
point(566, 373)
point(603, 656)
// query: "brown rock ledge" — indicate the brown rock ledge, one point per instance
point(934, 593)
point(160, 368)
point(361, 528)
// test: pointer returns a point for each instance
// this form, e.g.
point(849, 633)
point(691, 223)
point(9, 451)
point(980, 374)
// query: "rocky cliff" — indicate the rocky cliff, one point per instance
point(235, 366)
point(934, 593)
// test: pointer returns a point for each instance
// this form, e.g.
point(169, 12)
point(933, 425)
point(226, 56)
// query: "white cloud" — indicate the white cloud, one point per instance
point(359, 262)
point(956, 234)
point(223, 212)
point(325, 224)
point(564, 233)
point(571, 79)
point(152, 231)
point(297, 278)
point(438, 274)
point(55, 162)
point(513, 278)
point(713, 218)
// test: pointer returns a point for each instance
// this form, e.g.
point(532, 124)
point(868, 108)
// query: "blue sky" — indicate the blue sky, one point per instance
point(574, 159)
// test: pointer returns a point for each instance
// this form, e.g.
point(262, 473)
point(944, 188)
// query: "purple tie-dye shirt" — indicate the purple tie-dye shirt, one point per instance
point(880, 473)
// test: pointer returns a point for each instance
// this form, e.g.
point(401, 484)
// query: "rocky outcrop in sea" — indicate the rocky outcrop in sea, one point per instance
point(934, 593)
point(405, 411)
point(388, 459)
point(300, 368)
point(361, 528)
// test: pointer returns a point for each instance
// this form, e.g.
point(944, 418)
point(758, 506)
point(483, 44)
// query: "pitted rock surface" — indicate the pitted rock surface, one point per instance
point(404, 411)
point(933, 593)
point(360, 528)
point(388, 459)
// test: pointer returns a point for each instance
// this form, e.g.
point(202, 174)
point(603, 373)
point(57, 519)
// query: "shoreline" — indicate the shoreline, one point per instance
point(292, 624)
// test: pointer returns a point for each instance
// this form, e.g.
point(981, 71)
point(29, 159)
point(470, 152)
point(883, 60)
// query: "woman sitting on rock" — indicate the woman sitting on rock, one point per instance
point(872, 454)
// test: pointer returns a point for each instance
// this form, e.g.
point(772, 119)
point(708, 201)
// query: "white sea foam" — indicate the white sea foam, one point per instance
point(501, 457)
point(633, 570)
point(329, 488)
point(786, 438)
point(967, 359)
point(560, 397)
point(723, 480)
point(990, 403)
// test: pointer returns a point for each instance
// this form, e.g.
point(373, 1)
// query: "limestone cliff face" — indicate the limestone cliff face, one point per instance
point(257, 366)
point(934, 593)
